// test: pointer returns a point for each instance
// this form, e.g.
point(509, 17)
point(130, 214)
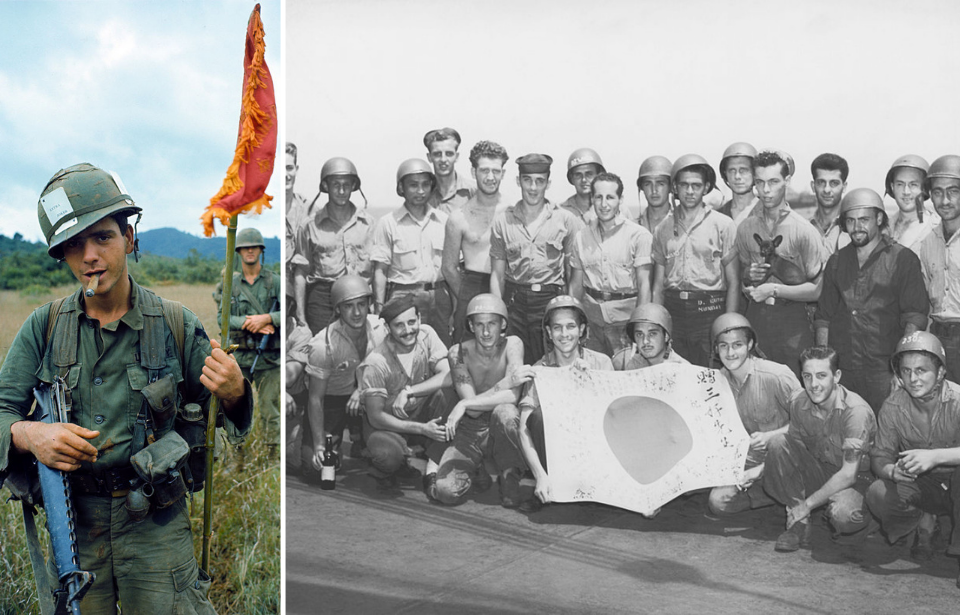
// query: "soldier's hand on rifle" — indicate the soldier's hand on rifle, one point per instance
point(60, 446)
point(260, 323)
point(222, 376)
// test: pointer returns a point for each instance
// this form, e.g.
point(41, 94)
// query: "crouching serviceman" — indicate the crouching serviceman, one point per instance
point(333, 356)
point(649, 329)
point(565, 329)
point(405, 401)
point(917, 454)
point(485, 423)
point(132, 362)
point(819, 461)
point(763, 390)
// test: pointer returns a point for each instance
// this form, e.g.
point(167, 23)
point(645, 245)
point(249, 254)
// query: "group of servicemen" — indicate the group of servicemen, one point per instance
point(419, 329)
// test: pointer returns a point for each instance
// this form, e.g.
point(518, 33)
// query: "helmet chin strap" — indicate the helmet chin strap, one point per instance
point(136, 239)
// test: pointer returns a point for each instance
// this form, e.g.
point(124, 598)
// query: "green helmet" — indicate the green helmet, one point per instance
point(75, 199)
point(338, 166)
point(413, 166)
point(349, 287)
point(919, 341)
point(652, 313)
point(695, 163)
point(250, 238)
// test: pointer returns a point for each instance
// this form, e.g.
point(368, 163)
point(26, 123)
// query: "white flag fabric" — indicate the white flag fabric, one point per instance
point(637, 439)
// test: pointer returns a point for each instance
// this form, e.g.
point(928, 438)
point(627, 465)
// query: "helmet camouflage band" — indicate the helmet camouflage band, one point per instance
point(75, 199)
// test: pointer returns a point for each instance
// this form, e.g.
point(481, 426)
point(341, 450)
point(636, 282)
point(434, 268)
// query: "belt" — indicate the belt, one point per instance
point(415, 286)
point(112, 483)
point(944, 328)
point(694, 294)
point(537, 288)
point(321, 283)
point(602, 295)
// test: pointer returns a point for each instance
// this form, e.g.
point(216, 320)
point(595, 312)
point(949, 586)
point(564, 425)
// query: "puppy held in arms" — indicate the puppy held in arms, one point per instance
point(782, 269)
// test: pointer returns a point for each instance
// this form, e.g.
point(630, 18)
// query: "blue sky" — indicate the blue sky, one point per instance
point(870, 80)
point(150, 90)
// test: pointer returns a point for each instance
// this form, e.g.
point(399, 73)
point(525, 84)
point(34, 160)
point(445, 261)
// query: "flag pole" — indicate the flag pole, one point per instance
point(214, 402)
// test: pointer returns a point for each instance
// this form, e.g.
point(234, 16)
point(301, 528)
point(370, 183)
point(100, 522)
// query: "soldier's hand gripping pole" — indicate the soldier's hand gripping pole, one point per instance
point(53, 406)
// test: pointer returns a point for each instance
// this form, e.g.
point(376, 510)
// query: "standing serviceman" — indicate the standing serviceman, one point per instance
point(653, 182)
point(873, 295)
point(917, 454)
point(116, 349)
point(583, 166)
point(940, 259)
point(467, 232)
point(254, 325)
point(335, 241)
point(777, 309)
point(296, 205)
point(914, 219)
point(529, 250)
point(829, 173)
point(443, 150)
point(408, 249)
point(695, 273)
point(609, 266)
point(736, 169)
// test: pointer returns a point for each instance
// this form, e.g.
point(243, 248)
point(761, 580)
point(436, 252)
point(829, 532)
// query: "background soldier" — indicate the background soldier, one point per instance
point(873, 295)
point(914, 219)
point(334, 240)
point(940, 259)
point(467, 232)
point(529, 247)
point(695, 274)
point(583, 165)
point(144, 564)
point(408, 249)
point(653, 182)
point(829, 173)
point(296, 205)
point(649, 329)
point(736, 169)
point(254, 314)
point(450, 191)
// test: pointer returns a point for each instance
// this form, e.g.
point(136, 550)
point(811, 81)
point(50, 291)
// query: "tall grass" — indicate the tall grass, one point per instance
point(245, 550)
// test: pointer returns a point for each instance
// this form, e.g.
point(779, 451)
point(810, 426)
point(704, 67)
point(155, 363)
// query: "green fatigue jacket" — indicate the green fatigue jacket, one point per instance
point(250, 300)
point(106, 379)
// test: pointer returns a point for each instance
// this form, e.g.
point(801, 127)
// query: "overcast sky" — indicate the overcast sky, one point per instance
point(150, 90)
point(869, 80)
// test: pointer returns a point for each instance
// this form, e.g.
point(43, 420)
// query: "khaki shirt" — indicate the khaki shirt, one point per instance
point(333, 251)
point(412, 249)
point(106, 380)
point(331, 355)
point(463, 191)
point(897, 431)
point(940, 263)
point(382, 375)
point(849, 426)
point(534, 258)
point(764, 399)
point(695, 252)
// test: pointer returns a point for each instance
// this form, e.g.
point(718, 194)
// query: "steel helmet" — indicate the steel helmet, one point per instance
point(338, 166)
point(859, 198)
point(693, 160)
point(654, 166)
point(728, 322)
point(250, 238)
point(486, 303)
point(736, 149)
point(349, 287)
point(565, 301)
point(652, 313)
point(910, 161)
point(919, 341)
point(75, 199)
point(945, 166)
point(414, 166)
point(584, 155)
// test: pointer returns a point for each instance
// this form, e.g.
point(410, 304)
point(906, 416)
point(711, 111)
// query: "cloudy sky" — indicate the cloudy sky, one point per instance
point(150, 90)
point(869, 80)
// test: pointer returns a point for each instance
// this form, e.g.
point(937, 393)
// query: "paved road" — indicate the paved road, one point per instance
point(356, 551)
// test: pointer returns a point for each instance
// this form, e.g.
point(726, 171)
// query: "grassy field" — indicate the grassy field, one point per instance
point(245, 551)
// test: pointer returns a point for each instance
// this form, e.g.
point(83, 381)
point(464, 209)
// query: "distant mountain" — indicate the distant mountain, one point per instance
point(177, 244)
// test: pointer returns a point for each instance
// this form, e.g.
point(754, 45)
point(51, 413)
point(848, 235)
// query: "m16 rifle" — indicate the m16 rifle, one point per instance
point(264, 342)
point(53, 406)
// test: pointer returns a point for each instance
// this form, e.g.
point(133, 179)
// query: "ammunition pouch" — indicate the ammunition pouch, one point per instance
point(193, 430)
point(159, 465)
point(161, 396)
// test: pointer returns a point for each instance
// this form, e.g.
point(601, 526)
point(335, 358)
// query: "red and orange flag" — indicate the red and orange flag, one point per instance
point(244, 188)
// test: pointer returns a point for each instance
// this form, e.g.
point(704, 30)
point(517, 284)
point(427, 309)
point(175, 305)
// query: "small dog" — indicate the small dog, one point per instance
point(784, 270)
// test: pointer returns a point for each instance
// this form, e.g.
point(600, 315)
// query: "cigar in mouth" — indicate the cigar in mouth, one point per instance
point(92, 286)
